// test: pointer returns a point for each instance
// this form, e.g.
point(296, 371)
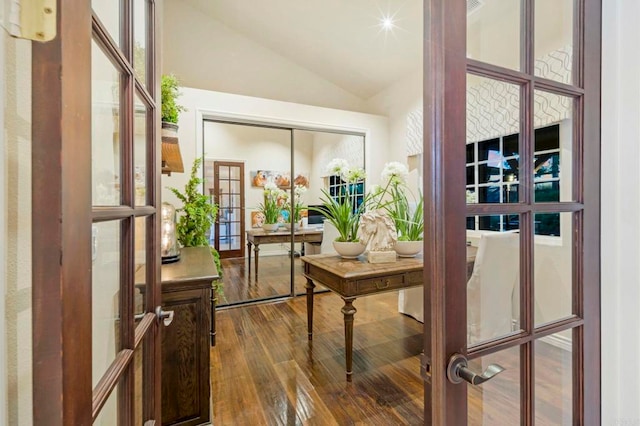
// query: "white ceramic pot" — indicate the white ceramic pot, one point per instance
point(408, 248)
point(270, 227)
point(287, 226)
point(349, 250)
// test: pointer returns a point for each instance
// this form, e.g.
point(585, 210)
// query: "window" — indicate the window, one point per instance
point(338, 188)
point(493, 177)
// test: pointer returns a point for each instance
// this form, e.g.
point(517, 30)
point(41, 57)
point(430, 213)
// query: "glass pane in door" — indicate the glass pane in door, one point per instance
point(140, 265)
point(493, 32)
point(492, 146)
point(140, 151)
point(140, 39)
point(139, 386)
point(553, 267)
point(493, 277)
point(554, 39)
point(105, 129)
point(553, 157)
point(105, 295)
point(496, 402)
point(109, 14)
point(554, 379)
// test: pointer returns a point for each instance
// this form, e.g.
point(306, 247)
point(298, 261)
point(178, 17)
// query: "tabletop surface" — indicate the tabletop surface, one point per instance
point(360, 267)
point(259, 232)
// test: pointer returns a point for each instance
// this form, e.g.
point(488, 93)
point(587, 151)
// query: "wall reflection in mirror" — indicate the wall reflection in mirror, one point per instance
point(246, 168)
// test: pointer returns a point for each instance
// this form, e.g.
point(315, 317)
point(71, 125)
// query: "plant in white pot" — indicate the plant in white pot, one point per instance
point(405, 209)
point(294, 207)
point(271, 207)
point(342, 211)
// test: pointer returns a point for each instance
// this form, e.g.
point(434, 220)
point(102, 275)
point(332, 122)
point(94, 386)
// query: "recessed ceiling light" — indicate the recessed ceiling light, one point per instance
point(386, 22)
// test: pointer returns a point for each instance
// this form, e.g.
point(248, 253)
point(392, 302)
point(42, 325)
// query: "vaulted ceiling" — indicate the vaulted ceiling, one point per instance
point(342, 41)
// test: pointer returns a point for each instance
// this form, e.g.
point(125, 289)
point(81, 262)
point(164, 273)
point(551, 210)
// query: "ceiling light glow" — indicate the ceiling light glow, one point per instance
point(387, 23)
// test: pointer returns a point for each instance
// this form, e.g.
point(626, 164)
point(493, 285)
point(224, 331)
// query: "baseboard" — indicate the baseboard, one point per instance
point(559, 342)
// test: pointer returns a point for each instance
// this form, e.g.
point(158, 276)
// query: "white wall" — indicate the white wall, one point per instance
point(620, 220)
point(202, 103)
point(15, 222)
point(206, 54)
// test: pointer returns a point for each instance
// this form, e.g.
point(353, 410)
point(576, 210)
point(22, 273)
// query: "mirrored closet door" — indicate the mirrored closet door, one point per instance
point(264, 224)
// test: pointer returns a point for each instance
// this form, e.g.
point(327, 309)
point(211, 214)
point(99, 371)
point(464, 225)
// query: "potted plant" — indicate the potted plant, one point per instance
point(270, 207)
point(295, 209)
point(406, 214)
point(170, 91)
point(197, 216)
point(342, 211)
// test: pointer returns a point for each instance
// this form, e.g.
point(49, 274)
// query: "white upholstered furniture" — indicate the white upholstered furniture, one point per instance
point(492, 289)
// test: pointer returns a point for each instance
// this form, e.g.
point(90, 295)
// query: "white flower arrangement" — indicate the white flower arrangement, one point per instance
point(340, 167)
point(395, 171)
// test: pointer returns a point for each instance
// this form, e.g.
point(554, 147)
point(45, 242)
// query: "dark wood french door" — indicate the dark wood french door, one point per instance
point(226, 187)
point(512, 113)
point(96, 176)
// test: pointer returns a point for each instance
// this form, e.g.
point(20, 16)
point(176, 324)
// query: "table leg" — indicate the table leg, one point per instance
point(256, 249)
point(249, 255)
point(310, 286)
point(348, 310)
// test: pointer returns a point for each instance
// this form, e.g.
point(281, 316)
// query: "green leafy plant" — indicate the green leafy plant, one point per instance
point(170, 91)
point(342, 211)
point(298, 206)
point(197, 216)
point(409, 221)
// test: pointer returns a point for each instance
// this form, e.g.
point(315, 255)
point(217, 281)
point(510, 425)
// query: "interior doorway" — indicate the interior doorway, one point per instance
point(224, 182)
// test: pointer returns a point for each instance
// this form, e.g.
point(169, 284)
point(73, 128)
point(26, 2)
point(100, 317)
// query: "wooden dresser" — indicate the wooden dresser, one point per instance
point(186, 290)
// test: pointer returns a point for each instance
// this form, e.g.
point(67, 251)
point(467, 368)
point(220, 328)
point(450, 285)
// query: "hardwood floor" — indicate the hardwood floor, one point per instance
point(264, 371)
point(273, 279)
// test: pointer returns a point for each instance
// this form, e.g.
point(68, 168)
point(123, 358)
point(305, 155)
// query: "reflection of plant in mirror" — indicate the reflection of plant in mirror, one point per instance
point(270, 207)
point(298, 206)
point(170, 91)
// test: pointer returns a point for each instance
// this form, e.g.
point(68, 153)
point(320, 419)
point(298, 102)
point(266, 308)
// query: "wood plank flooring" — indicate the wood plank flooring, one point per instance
point(264, 371)
point(273, 279)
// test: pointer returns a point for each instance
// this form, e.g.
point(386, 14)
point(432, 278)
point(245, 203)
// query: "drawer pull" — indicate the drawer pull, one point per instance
point(381, 286)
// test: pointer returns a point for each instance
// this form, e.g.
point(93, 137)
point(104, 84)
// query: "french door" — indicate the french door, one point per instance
point(226, 187)
point(512, 112)
point(95, 223)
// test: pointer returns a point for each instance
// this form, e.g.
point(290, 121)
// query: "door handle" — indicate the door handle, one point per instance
point(458, 370)
point(165, 316)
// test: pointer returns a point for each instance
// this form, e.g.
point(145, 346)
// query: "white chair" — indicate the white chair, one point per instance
point(329, 234)
point(493, 287)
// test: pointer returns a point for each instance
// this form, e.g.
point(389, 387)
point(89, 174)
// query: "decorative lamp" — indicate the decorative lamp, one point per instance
point(168, 239)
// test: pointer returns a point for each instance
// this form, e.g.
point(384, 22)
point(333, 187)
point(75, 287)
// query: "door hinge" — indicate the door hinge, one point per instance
point(29, 19)
point(425, 368)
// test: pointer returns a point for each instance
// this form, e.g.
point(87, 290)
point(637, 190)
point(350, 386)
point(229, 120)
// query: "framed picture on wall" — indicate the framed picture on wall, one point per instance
point(283, 179)
point(257, 219)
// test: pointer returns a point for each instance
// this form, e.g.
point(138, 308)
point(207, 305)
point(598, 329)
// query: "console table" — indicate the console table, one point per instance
point(187, 290)
point(256, 237)
point(352, 278)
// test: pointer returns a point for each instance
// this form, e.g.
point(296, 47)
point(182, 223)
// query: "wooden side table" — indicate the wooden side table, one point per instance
point(187, 290)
